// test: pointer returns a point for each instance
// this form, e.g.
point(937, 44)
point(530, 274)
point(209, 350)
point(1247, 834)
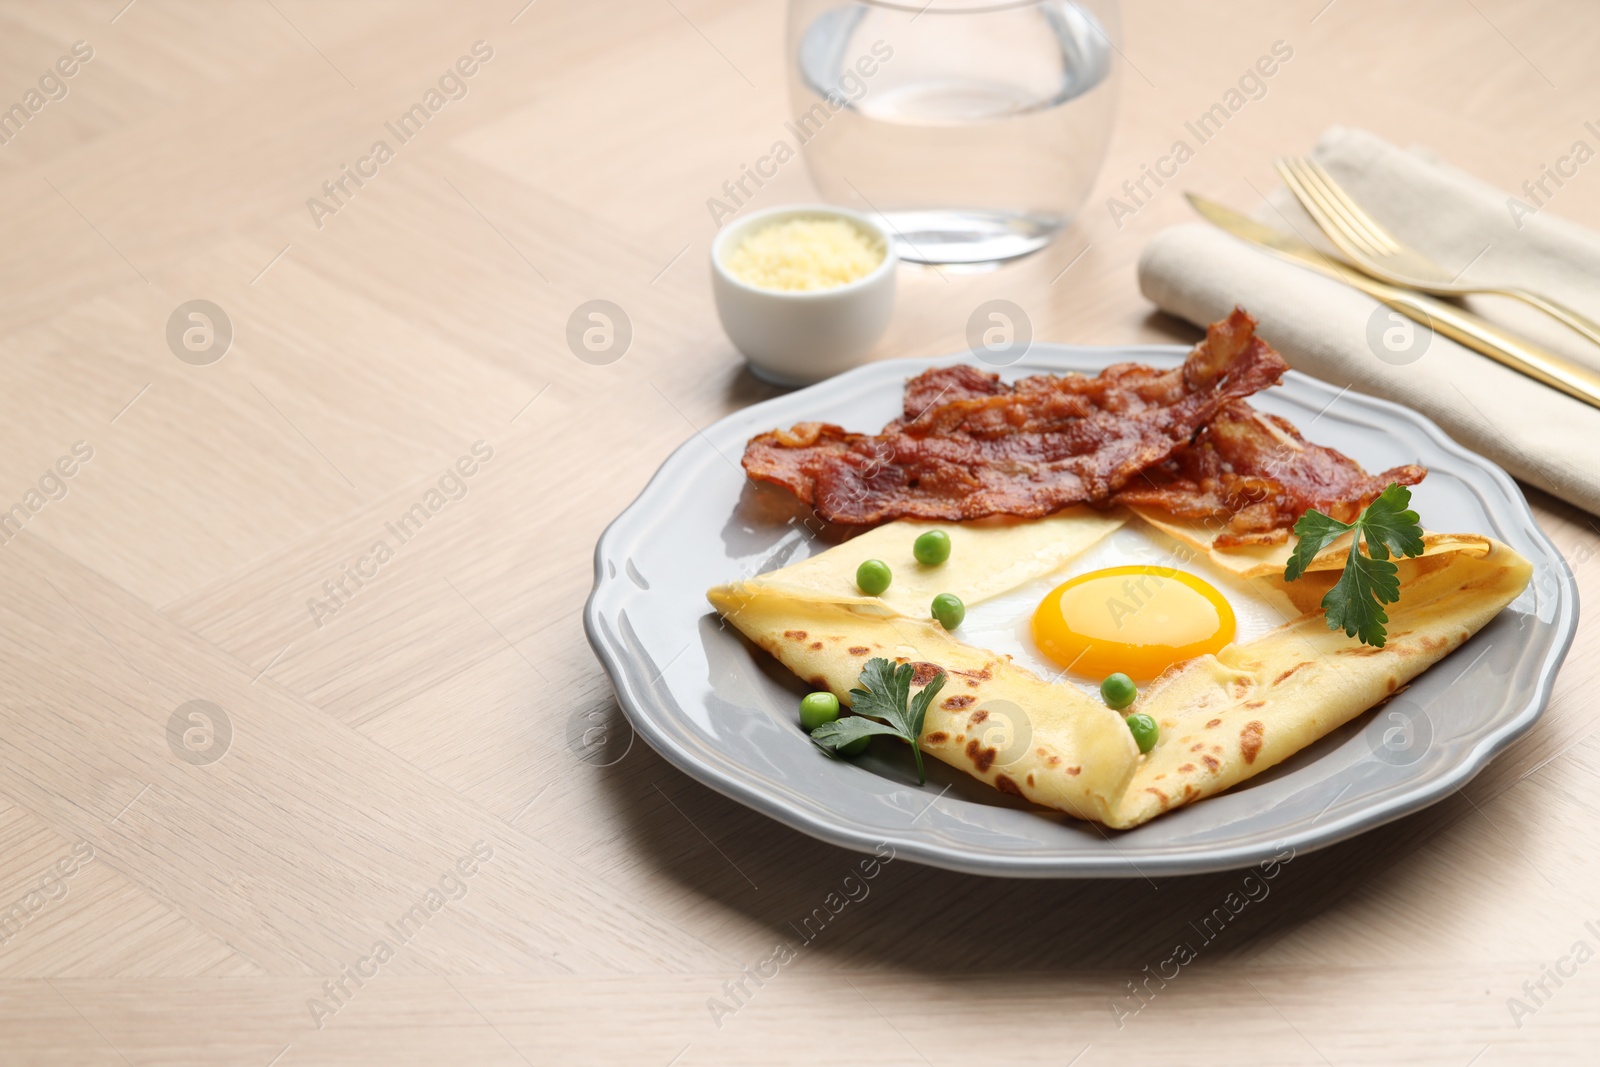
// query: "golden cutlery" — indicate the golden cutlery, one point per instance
point(1449, 320)
point(1376, 251)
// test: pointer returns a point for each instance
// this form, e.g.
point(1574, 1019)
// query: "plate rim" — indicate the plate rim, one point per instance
point(1179, 861)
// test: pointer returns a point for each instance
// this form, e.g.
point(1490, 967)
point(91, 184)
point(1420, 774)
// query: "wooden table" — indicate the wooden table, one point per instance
point(401, 734)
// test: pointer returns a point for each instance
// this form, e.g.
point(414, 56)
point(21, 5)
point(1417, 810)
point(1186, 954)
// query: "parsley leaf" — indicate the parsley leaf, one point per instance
point(1369, 581)
point(834, 735)
point(1316, 532)
point(884, 690)
point(1395, 527)
point(884, 694)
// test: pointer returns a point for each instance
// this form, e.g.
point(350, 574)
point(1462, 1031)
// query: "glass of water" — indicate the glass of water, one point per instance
point(973, 129)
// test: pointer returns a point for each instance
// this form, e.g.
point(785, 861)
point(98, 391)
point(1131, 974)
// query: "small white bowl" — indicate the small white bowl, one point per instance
point(797, 337)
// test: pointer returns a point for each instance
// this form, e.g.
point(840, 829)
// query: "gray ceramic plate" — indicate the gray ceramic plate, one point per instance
point(724, 712)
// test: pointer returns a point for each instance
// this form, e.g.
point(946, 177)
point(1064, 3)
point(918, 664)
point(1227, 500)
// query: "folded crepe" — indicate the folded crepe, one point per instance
point(1223, 718)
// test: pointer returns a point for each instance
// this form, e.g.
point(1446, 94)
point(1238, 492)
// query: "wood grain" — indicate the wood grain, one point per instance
point(375, 745)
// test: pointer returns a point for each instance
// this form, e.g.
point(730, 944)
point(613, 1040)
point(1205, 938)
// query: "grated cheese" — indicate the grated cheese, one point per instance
point(802, 253)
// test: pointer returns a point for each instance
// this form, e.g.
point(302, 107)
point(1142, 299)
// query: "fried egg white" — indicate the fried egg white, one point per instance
point(1007, 623)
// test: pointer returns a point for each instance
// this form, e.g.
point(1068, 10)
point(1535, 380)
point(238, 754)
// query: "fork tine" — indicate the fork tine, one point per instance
point(1348, 240)
point(1343, 221)
point(1374, 228)
point(1291, 178)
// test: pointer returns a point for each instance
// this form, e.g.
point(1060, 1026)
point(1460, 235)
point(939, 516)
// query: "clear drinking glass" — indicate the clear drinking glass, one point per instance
point(973, 129)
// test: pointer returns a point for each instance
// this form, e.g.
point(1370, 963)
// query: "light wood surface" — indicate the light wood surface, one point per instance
point(372, 748)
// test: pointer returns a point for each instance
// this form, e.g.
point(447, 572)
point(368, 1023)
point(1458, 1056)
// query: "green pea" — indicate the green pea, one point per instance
point(932, 548)
point(873, 577)
point(1118, 691)
point(1144, 730)
point(856, 747)
point(816, 709)
point(949, 610)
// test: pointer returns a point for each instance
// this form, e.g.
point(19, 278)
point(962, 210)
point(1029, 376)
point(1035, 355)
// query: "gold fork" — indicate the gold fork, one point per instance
point(1376, 251)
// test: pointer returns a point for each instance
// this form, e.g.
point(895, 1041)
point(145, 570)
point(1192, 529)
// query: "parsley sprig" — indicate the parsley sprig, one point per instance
point(1370, 580)
point(885, 694)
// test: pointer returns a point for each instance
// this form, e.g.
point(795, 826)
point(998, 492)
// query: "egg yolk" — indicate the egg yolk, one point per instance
point(1135, 619)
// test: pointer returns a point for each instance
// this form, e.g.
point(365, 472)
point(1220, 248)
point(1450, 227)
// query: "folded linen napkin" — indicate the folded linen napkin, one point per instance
point(1335, 333)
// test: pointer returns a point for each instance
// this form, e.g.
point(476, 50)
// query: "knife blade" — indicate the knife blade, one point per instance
point(1459, 325)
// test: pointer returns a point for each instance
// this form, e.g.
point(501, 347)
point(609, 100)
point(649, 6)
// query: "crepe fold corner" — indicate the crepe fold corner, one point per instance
point(998, 722)
point(1226, 718)
point(1223, 718)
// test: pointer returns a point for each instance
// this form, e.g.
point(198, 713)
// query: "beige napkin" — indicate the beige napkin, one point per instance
point(1332, 332)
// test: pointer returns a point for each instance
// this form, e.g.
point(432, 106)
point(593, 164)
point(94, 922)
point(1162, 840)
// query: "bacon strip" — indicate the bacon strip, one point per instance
point(1257, 474)
point(968, 446)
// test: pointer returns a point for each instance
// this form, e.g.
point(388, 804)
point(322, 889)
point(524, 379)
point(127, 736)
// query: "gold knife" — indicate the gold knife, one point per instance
point(1476, 333)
